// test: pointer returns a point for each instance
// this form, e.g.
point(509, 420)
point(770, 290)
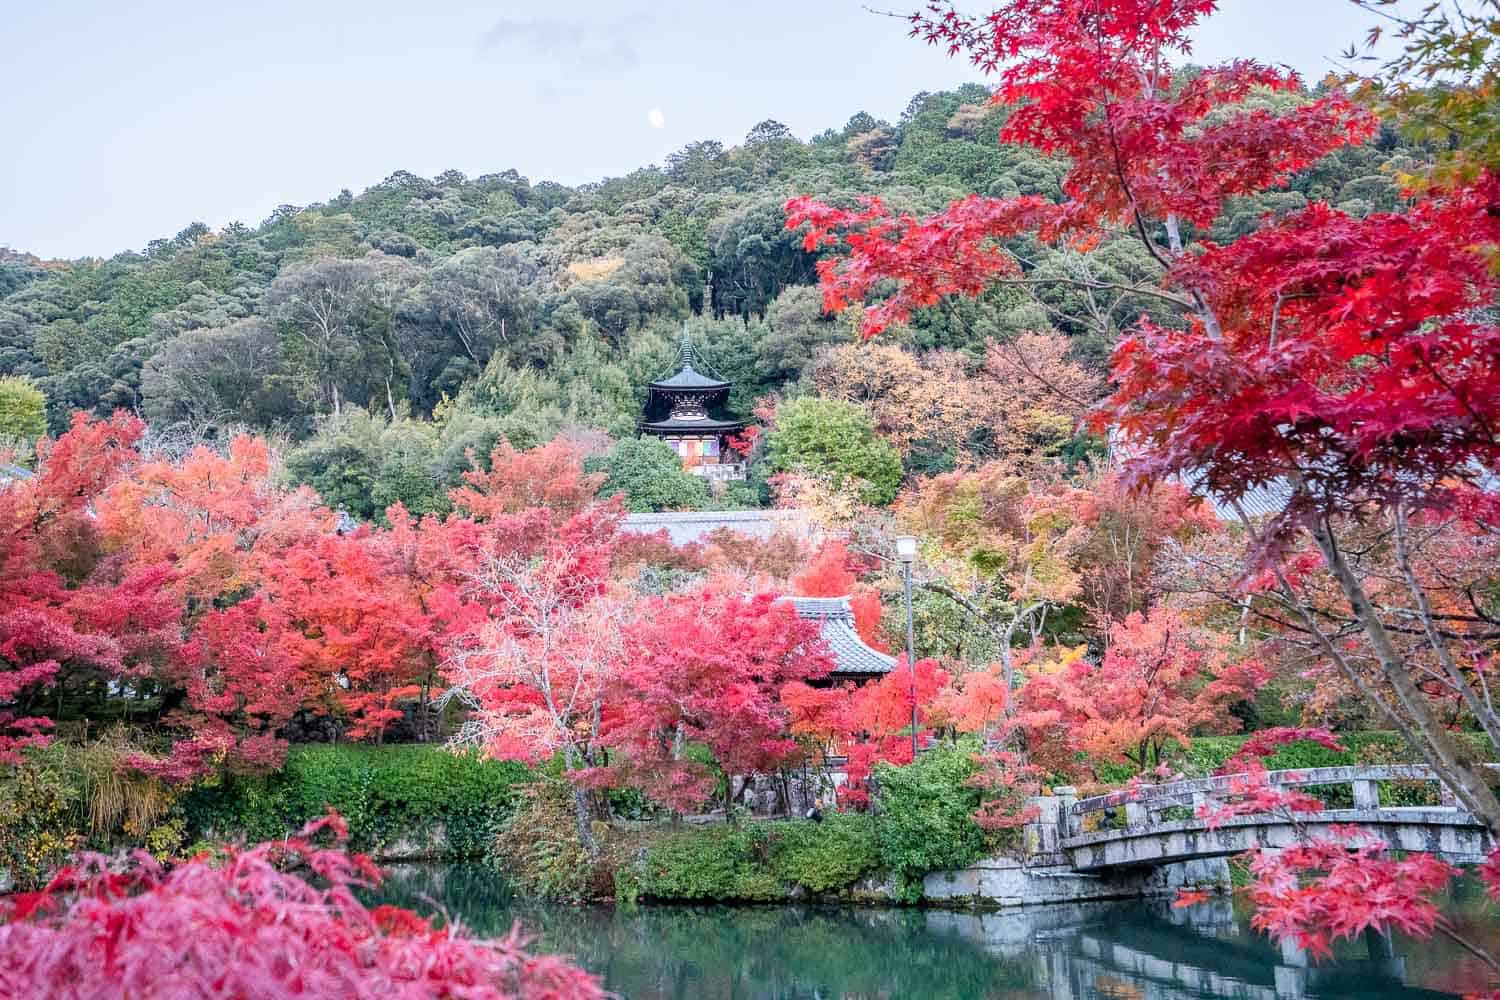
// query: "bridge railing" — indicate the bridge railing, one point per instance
point(1143, 807)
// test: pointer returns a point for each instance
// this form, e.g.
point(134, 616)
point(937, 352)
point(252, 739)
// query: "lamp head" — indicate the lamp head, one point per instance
point(906, 548)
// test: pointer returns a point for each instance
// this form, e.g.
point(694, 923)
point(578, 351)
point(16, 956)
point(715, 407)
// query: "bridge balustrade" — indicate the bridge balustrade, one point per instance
point(1145, 806)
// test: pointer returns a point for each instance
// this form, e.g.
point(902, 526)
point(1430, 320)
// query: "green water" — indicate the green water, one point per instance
point(1120, 950)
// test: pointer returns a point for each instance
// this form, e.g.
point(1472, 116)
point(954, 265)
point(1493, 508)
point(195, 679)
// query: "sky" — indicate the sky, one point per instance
point(127, 121)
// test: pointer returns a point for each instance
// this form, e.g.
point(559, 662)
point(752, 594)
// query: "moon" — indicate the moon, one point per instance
point(655, 118)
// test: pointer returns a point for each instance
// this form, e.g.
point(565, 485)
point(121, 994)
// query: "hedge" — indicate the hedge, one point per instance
point(927, 816)
point(385, 794)
point(1207, 754)
point(923, 821)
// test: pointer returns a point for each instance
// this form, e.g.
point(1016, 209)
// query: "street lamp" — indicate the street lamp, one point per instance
point(906, 551)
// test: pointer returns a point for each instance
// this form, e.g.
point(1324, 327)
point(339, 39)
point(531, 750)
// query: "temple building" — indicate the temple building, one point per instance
point(686, 411)
point(853, 659)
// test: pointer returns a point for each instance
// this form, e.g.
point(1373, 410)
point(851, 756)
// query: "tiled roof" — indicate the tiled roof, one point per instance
point(688, 376)
point(851, 656)
point(1265, 500)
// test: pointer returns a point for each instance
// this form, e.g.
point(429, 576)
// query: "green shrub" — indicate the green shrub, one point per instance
point(385, 794)
point(650, 475)
point(41, 822)
point(23, 409)
point(836, 439)
point(539, 850)
point(826, 856)
point(707, 863)
point(927, 816)
point(1208, 754)
point(758, 862)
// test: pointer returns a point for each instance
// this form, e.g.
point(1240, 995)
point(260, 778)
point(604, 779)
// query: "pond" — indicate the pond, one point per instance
point(1115, 950)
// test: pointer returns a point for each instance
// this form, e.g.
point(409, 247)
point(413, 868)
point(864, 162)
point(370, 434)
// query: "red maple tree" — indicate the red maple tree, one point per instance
point(1346, 360)
point(834, 572)
point(68, 612)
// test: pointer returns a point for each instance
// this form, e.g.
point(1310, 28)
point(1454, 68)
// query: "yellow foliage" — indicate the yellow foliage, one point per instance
point(115, 797)
point(595, 270)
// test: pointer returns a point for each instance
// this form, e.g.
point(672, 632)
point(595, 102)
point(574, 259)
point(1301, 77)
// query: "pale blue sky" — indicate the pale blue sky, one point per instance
point(127, 121)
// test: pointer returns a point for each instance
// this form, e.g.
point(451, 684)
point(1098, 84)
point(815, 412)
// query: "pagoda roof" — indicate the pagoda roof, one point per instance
point(704, 425)
point(851, 656)
point(687, 376)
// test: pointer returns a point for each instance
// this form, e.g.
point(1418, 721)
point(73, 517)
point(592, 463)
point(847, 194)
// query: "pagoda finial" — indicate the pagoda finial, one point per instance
point(685, 357)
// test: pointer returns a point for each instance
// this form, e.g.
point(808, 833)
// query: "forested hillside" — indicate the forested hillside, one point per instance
point(388, 334)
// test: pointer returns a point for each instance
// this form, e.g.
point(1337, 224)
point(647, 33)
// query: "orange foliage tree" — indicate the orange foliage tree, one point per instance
point(1161, 679)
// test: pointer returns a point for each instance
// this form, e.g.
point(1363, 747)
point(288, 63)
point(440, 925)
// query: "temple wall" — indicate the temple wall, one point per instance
point(695, 526)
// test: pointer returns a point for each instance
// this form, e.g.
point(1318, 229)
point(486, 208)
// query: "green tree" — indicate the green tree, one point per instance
point(798, 328)
point(651, 476)
point(23, 409)
point(362, 462)
point(927, 816)
point(234, 373)
point(837, 439)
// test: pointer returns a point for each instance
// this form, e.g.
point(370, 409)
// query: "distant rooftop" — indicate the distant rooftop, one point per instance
point(1258, 501)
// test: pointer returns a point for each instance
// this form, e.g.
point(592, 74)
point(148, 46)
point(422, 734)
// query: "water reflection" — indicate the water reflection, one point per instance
point(1125, 950)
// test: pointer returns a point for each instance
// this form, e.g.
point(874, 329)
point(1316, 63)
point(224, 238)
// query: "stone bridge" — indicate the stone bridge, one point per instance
point(1158, 825)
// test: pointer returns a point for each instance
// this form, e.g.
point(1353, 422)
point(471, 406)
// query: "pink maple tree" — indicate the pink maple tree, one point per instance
point(708, 668)
point(243, 925)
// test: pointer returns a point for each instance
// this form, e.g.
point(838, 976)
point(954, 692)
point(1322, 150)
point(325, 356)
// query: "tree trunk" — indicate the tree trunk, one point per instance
point(1469, 783)
point(585, 828)
point(581, 812)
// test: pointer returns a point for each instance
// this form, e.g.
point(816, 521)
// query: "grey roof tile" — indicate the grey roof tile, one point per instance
point(1266, 500)
point(852, 658)
point(689, 378)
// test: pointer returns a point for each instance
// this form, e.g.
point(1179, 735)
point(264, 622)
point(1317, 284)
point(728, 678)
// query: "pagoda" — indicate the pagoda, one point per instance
point(685, 411)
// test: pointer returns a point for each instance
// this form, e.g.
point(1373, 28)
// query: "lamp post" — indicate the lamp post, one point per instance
point(906, 551)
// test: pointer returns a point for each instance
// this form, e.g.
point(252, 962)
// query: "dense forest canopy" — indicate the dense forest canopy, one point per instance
point(387, 335)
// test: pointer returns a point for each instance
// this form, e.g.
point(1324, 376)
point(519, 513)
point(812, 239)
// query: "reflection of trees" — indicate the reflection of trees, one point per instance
point(711, 952)
point(714, 952)
point(794, 952)
point(1469, 906)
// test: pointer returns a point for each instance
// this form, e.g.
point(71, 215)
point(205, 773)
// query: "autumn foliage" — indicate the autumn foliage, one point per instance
point(1343, 364)
point(1160, 679)
point(1092, 84)
point(203, 587)
point(244, 926)
point(707, 669)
